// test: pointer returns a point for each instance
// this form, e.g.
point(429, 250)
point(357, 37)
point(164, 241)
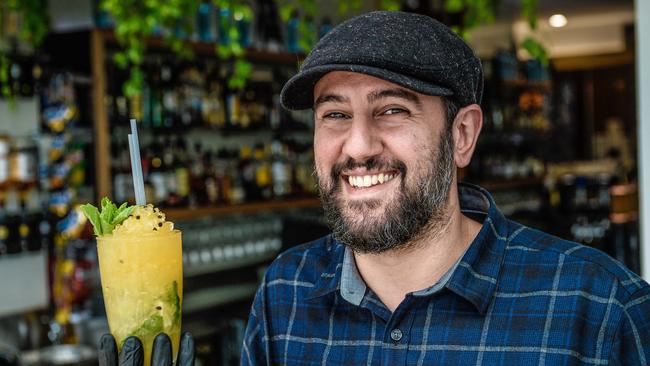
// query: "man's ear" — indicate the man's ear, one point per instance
point(465, 131)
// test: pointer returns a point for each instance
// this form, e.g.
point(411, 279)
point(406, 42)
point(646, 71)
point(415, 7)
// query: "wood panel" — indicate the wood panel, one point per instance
point(100, 116)
point(245, 208)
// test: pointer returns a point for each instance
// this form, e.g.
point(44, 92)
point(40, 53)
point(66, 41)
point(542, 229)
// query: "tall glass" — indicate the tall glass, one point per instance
point(142, 283)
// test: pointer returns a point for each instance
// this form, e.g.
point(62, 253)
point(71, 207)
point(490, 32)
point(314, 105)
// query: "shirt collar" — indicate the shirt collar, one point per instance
point(477, 274)
point(474, 277)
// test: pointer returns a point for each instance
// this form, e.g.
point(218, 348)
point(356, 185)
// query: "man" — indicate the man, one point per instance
point(422, 270)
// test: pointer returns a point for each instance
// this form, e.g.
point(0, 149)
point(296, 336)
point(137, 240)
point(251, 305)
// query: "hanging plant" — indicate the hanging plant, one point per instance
point(530, 44)
point(29, 24)
point(298, 17)
point(477, 12)
point(137, 20)
point(234, 18)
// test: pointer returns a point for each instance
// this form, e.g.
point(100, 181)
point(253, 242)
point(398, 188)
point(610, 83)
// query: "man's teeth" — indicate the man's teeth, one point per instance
point(361, 181)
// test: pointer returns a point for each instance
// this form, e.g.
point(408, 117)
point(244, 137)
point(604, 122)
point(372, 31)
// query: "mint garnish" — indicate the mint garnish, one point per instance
point(154, 324)
point(174, 300)
point(104, 221)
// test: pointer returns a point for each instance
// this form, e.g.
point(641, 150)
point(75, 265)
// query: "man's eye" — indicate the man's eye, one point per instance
point(334, 115)
point(393, 111)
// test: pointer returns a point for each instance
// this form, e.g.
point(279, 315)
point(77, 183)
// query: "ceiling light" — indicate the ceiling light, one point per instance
point(557, 21)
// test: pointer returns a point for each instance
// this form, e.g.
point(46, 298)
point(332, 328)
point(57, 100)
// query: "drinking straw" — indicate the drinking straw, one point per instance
point(136, 165)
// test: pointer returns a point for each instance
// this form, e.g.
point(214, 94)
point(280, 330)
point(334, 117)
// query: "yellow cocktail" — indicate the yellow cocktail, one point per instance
point(140, 264)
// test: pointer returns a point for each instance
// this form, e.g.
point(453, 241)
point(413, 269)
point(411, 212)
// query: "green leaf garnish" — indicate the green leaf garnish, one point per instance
point(123, 214)
point(92, 213)
point(151, 326)
point(174, 300)
point(105, 220)
point(170, 305)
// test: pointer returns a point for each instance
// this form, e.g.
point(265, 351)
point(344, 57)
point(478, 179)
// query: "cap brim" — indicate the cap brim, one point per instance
point(298, 92)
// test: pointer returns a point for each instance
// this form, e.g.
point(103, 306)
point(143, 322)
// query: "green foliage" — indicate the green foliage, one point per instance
point(136, 20)
point(242, 70)
point(4, 75)
point(390, 5)
point(104, 221)
point(454, 6)
point(477, 12)
point(536, 50)
point(529, 12)
point(306, 10)
point(237, 10)
point(35, 23)
point(346, 8)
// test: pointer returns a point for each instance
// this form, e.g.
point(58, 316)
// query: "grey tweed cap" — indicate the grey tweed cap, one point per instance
point(411, 50)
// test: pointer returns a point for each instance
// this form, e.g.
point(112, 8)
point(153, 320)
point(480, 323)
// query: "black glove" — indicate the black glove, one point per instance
point(133, 354)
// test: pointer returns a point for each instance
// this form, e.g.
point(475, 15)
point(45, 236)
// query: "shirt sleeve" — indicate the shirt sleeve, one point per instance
point(255, 350)
point(632, 342)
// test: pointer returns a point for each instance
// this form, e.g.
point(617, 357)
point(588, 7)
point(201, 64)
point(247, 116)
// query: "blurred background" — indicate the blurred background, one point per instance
point(233, 169)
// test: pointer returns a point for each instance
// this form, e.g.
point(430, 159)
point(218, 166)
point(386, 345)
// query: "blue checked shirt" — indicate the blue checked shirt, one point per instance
point(516, 297)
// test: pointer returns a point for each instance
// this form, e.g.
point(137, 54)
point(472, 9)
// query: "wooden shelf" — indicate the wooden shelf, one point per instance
point(102, 41)
point(209, 49)
point(176, 214)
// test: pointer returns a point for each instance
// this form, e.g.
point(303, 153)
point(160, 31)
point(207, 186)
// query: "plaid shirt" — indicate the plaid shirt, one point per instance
point(516, 297)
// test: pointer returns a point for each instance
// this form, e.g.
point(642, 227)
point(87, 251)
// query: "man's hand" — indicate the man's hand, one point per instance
point(133, 354)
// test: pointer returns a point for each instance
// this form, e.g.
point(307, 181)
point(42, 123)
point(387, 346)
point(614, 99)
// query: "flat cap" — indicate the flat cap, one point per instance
point(411, 50)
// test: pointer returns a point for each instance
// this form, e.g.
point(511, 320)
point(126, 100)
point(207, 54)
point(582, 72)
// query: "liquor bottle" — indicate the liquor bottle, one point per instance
point(170, 98)
point(181, 171)
point(192, 89)
point(12, 205)
point(241, 180)
point(15, 74)
point(197, 194)
point(157, 175)
point(212, 107)
point(246, 167)
point(23, 165)
point(233, 107)
point(222, 173)
point(204, 20)
point(5, 144)
point(119, 172)
point(280, 170)
point(293, 33)
point(169, 172)
point(264, 186)
point(4, 228)
point(210, 182)
point(325, 27)
point(23, 223)
point(224, 21)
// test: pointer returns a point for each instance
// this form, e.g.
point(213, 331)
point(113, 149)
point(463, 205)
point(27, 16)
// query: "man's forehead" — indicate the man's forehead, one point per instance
point(342, 79)
point(339, 86)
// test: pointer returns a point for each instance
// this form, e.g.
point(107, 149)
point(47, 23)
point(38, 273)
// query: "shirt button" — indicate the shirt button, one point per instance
point(396, 334)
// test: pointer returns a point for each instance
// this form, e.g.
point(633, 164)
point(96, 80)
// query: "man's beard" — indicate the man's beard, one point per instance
point(418, 208)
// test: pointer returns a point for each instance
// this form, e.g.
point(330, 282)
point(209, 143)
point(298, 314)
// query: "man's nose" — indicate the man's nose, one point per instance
point(363, 140)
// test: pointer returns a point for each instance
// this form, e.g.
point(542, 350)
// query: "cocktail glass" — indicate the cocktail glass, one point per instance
point(142, 283)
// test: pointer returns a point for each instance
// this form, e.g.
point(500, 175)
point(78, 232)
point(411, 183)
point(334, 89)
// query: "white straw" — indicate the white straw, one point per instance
point(136, 165)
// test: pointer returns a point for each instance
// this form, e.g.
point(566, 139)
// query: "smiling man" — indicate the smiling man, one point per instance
point(421, 269)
